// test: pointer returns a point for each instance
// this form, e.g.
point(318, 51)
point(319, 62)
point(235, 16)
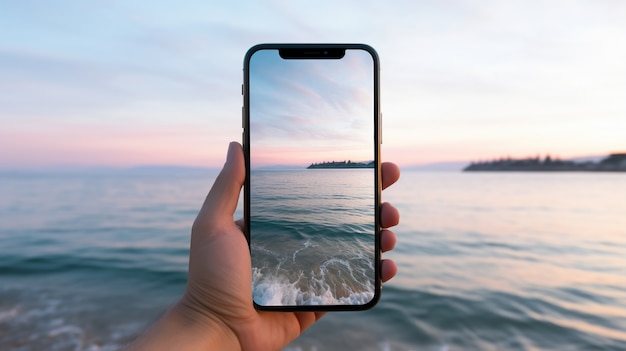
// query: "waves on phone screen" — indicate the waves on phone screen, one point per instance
point(302, 269)
point(313, 237)
point(327, 285)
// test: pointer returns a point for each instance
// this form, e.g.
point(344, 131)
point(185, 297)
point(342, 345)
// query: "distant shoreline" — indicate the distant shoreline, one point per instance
point(613, 163)
point(341, 165)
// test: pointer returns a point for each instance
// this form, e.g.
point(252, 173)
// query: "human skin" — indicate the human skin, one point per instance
point(216, 311)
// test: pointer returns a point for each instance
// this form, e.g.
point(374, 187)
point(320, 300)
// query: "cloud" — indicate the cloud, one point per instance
point(487, 72)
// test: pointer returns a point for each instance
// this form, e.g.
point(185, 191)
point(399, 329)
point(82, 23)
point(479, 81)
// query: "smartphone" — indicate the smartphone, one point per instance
point(312, 139)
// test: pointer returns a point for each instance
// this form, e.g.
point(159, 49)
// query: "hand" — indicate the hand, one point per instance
point(216, 310)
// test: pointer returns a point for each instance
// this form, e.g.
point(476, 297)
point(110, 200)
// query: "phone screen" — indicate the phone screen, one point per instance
point(313, 187)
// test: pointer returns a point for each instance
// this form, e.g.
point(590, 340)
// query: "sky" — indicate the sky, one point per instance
point(128, 83)
point(311, 111)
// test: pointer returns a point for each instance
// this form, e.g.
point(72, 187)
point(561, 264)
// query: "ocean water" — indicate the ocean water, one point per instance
point(488, 261)
point(312, 236)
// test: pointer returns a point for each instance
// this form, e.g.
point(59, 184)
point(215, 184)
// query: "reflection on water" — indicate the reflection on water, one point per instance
point(555, 242)
point(488, 261)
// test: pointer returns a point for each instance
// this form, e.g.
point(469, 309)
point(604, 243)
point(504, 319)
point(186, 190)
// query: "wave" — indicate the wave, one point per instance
point(480, 319)
point(291, 268)
point(302, 228)
point(278, 290)
point(144, 267)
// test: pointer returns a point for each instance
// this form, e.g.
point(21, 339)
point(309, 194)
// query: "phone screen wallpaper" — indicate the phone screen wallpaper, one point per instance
point(312, 179)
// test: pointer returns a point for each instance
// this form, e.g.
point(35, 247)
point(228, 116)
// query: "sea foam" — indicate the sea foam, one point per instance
point(275, 290)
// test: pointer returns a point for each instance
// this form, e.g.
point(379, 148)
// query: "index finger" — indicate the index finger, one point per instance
point(390, 173)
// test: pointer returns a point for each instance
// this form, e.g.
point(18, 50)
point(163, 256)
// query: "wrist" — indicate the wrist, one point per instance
point(212, 329)
point(184, 327)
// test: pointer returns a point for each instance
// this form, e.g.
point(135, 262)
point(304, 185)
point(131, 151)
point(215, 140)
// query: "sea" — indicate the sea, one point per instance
point(487, 261)
point(312, 237)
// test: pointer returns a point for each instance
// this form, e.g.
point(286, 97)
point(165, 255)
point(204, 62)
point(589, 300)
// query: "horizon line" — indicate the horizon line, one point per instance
point(108, 167)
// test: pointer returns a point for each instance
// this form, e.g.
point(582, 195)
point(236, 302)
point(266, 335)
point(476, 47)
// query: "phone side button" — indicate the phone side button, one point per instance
point(380, 127)
point(243, 124)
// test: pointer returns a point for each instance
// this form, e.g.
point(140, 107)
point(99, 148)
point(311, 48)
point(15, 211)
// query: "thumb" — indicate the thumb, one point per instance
point(221, 202)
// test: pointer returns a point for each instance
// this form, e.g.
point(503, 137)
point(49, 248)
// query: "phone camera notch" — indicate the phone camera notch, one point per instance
point(312, 53)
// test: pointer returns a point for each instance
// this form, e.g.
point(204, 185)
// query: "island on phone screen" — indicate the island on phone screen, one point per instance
point(312, 179)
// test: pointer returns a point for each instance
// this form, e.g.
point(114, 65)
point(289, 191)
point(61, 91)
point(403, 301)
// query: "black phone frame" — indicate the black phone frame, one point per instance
point(317, 51)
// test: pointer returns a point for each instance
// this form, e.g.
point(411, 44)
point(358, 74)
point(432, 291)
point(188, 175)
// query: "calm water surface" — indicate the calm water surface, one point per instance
point(488, 261)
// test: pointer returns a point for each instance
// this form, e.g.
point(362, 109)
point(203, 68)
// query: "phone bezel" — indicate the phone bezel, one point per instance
point(318, 48)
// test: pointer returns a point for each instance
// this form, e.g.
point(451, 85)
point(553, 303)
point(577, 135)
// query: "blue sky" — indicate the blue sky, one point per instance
point(123, 83)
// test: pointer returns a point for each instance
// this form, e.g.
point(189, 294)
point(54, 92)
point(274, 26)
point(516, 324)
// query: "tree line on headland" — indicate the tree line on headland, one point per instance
point(615, 162)
point(341, 164)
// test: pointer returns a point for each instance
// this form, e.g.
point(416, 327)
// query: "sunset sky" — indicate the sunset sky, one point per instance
point(125, 83)
point(308, 111)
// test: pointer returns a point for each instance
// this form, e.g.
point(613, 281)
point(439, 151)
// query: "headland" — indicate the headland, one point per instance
point(341, 164)
point(615, 162)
